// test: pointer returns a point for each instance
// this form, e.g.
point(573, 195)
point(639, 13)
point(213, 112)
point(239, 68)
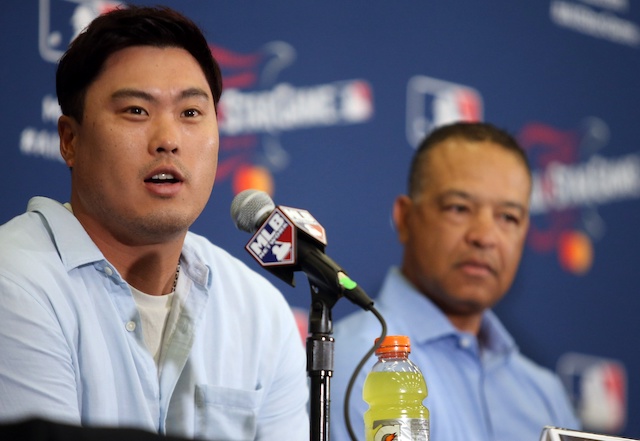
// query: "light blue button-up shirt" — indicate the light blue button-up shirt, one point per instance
point(487, 393)
point(72, 348)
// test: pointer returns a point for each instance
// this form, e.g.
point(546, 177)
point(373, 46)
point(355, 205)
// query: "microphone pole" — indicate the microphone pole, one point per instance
point(320, 349)
point(320, 343)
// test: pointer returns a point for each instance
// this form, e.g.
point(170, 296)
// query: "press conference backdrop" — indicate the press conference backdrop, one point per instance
point(324, 104)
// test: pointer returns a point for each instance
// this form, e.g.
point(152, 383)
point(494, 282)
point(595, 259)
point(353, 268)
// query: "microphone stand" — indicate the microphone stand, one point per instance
point(327, 287)
point(320, 361)
point(325, 292)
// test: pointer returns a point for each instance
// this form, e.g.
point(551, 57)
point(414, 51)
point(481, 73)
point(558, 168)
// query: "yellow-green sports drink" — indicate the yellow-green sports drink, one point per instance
point(395, 390)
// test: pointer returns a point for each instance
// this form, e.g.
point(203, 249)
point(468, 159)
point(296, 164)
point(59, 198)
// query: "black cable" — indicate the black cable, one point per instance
point(347, 397)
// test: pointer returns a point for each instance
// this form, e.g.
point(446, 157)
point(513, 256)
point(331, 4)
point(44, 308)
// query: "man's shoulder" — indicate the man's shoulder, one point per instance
point(25, 237)
point(355, 331)
point(203, 246)
point(225, 269)
point(355, 323)
point(21, 224)
point(218, 259)
point(534, 372)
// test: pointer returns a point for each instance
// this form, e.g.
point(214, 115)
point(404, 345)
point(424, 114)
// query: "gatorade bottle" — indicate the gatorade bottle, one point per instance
point(394, 390)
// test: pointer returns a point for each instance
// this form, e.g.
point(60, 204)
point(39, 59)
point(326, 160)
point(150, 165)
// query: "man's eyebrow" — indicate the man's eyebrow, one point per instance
point(455, 193)
point(464, 195)
point(132, 93)
point(516, 206)
point(192, 92)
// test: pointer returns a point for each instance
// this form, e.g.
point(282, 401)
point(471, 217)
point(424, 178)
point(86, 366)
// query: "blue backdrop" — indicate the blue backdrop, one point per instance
point(324, 103)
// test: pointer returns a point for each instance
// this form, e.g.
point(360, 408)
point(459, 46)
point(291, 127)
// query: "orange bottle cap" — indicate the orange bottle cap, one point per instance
point(394, 343)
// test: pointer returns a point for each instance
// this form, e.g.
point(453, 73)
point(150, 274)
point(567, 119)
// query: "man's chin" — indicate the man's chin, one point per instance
point(157, 228)
point(472, 301)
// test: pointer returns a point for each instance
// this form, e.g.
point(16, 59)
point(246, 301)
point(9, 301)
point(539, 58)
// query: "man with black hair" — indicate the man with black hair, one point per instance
point(462, 225)
point(113, 313)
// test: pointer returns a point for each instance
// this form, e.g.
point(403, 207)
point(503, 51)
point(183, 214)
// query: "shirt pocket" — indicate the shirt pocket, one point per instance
point(223, 413)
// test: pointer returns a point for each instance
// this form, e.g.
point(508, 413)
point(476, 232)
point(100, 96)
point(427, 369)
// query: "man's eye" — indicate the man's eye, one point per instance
point(136, 111)
point(455, 208)
point(511, 218)
point(191, 113)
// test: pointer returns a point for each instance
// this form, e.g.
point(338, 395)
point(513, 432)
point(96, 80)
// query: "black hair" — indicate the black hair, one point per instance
point(120, 29)
point(471, 131)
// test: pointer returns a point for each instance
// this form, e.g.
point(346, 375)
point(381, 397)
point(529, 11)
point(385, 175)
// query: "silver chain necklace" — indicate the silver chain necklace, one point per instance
point(175, 281)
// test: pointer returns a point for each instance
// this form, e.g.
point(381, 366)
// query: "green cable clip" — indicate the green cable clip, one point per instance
point(346, 282)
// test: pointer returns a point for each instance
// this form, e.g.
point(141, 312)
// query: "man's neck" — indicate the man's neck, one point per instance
point(466, 323)
point(149, 267)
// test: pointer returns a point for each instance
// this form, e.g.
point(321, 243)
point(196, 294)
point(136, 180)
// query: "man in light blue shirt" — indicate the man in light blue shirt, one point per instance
point(113, 313)
point(463, 225)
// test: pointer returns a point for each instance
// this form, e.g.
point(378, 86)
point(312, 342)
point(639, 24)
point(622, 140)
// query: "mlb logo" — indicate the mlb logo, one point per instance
point(598, 388)
point(62, 20)
point(432, 103)
point(274, 242)
point(356, 101)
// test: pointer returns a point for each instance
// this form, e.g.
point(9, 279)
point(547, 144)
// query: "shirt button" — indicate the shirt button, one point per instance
point(465, 343)
point(108, 271)
point(131, 326)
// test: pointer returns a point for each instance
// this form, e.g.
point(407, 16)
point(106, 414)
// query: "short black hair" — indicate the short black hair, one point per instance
point(120, 29)
point(471, 131)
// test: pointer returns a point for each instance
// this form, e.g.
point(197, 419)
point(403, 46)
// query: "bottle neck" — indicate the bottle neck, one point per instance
point(393, 355)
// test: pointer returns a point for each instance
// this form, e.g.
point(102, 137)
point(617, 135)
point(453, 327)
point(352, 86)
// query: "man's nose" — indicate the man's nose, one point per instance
point(482, 231)
point(166, 136)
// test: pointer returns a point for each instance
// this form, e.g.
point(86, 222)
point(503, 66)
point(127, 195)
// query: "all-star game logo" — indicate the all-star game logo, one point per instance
point(254, 110)
point(608, 20)
point(572, 179)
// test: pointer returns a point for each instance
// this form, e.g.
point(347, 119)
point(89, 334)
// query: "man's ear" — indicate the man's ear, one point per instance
point(401, 210)
point(67, 130)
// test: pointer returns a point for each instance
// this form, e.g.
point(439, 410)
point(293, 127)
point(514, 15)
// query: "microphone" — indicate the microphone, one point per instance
point(287, 239)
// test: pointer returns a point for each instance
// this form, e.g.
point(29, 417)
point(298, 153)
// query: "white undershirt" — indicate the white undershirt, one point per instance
point(154, 311)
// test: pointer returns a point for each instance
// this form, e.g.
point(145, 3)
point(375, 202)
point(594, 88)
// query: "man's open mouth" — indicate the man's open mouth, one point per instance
point(162, 178)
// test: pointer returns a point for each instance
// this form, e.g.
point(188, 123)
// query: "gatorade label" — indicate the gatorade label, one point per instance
point(404, 429)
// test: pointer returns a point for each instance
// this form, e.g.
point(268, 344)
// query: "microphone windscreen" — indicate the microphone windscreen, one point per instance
point(250, 208)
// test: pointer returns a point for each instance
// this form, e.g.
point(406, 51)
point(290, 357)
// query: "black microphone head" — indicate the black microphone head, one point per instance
point(250, 209)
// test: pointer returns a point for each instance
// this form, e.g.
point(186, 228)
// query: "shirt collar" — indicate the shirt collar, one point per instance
point(427, 322)
point(193, 263)
point(76, 248)
point(74, 245)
